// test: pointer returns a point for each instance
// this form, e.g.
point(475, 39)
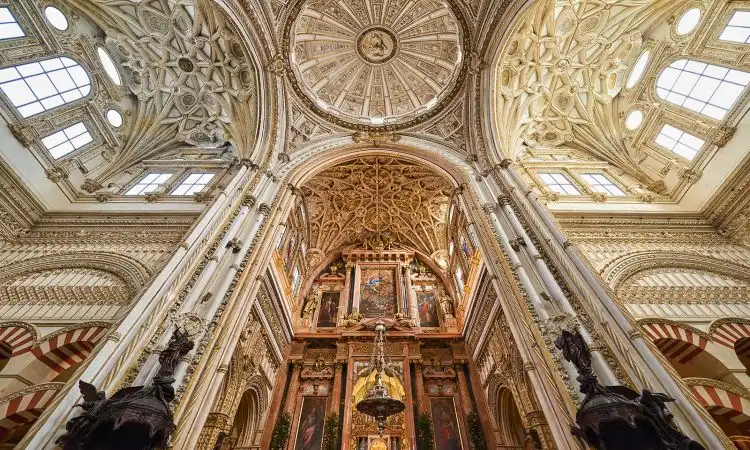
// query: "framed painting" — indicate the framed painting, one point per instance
point(466, 247)
point(445, 423)
point(329, 309)
point(428, 315)
point(310, 428)
point(377, 292)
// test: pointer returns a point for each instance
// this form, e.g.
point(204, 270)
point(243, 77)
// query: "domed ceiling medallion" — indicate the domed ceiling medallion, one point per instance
point(376, 64)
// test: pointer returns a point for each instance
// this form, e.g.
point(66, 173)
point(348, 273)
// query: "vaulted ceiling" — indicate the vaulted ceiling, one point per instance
point(353, 201)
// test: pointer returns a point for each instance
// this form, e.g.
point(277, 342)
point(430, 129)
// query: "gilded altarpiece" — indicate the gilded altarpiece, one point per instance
point(329, 363)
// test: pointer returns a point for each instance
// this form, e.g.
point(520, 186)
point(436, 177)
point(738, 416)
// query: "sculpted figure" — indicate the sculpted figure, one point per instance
point(311, 304)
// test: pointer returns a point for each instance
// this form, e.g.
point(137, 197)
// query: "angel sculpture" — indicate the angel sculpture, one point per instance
point(79, 427)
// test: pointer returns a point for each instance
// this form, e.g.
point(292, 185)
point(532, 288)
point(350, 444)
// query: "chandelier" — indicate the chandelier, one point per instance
point(378, 402)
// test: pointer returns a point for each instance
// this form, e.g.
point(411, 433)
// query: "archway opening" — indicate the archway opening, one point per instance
point(6, 351)
point(512, 432)
point(245, 424)
point(691, 361)
point(742, 349)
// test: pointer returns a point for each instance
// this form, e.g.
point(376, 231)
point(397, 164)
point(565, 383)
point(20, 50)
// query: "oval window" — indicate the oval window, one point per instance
point(114, 118)
point(56, 18)
point(108, 65)
point(688, 21)
point(634, 119)
point(638, 69)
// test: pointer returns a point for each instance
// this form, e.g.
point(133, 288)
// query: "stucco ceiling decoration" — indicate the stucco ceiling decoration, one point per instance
point(376, 64)
point(559, 72)
point(351, 201)
point(188, 71)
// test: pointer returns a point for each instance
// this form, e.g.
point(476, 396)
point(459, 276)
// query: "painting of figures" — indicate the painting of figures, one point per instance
point(377, 292)
point(311, 418)
point(329, 309)
point(428, 316)
point(445, 423)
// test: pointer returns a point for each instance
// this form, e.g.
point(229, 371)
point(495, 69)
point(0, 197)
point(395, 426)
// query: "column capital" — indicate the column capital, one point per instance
point(249, 200)
point(264, 209)
point(503, 200)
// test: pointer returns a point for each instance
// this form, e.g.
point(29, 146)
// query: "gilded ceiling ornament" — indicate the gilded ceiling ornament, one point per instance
point(350, 202)
point(370, 65)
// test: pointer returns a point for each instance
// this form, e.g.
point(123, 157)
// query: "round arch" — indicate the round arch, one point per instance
point(58, 355)
point(727, 405)
point(134, 273)
point(733, 332)
point(616, 272)
point(691, 352)
point(21, 409)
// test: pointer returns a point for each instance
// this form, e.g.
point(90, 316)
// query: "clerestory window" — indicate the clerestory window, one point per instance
point(44, 85)
point(149, 183)
point(704, 88)
point(679, 142)
point(738, 28)
point(559, 183)
point(67, 140)
point(195, 182)
point(600, 183)
point(9, 28)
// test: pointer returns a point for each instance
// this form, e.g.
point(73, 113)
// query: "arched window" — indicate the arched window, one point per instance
point(44, 85)
point(704, 88)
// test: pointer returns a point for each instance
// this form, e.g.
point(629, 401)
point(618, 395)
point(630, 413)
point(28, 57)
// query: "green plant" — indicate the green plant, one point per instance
point(425, 433)
point(281, 431)
point(331, 434)
point(475, 431)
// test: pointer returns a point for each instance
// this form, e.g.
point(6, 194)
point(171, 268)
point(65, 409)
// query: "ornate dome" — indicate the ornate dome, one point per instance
point(373, 64)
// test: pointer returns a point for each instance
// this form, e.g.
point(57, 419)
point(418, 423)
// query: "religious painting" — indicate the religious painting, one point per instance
point(329, 309)
point(445, 423)
point(377, 292)
point(428, 316)
point(465, 247)
point(311, 418)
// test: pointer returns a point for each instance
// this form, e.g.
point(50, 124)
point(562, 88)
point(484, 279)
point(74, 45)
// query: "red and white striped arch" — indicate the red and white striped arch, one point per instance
point(675, 342)
point(25, 408)
point(68, 349)
point(19, 338)
point(722, 403)
point(727, 333)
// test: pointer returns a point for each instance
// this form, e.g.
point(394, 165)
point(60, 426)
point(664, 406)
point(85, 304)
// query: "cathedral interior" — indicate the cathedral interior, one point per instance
point(259, 211)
